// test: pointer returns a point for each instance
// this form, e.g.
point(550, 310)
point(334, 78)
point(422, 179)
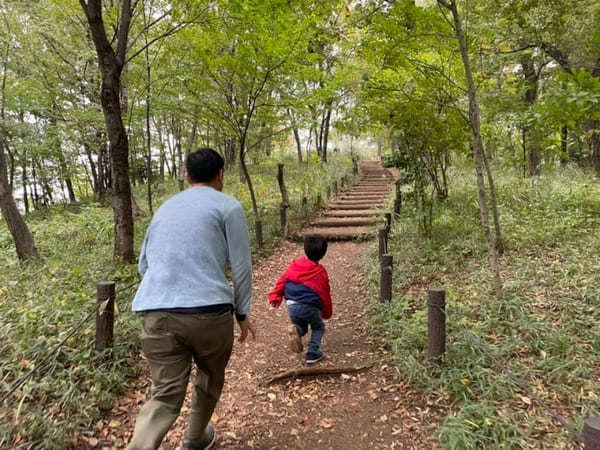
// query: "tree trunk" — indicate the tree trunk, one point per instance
point(148, 136)
point(531, 137)
point(326, 132)
point(478, 150)
point(119, 156)
point(94, 172)
point(564, 145)
point(64, 171)
point(296, 134)
point(22, 237)
point(499, 241)
point(111, 66)
point(285, 200)
point(595, 145)
point(24, 183)
point(244, 171)
point(36, 196)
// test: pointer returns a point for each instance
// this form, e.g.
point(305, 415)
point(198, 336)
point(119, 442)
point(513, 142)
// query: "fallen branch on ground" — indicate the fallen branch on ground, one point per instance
point(312, 371)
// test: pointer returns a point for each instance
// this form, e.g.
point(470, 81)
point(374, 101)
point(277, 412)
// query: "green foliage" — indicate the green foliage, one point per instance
point(545, 331)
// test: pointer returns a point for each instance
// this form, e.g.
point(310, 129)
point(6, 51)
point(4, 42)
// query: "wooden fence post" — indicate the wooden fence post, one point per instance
point(328, 192)
point(383, 242)
point(259, 234)
point(335, 188)
point(305, 206)
point(591, 433)
point(319, 200)
point(436, 323)
point(388, 222)
point(385, 284)
point(105, 316)
point(398, 200)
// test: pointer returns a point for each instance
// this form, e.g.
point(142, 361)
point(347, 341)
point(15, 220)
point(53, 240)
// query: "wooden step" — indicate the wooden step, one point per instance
point(352, 213)
point(359, 196)
point(326, 222)
point(355, 206)
point(339, 233)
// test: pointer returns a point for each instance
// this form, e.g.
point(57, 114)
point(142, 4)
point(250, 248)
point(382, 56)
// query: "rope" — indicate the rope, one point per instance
point(20, 382)
point(477, 343)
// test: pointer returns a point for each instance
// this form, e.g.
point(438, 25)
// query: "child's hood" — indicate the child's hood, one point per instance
point(303, 269)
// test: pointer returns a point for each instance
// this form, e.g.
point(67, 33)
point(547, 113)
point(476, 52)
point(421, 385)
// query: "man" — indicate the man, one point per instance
point(188, 303)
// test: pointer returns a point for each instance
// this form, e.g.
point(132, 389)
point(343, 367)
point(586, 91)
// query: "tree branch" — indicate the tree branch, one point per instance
point(312, 371)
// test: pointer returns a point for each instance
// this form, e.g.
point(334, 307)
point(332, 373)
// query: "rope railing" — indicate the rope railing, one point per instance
point(39, 366)
point(437, 316)
point(483, 347)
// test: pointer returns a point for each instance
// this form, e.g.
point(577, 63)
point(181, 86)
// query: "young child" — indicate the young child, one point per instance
point(305, 286)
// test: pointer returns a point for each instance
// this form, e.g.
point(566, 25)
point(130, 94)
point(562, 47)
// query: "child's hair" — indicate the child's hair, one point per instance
point(315, 247)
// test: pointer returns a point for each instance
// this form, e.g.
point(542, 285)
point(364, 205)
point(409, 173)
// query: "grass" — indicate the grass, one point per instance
point(546, 330)
point(41, 302)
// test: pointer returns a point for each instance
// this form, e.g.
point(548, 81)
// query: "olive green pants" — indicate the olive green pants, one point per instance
point(170, 342)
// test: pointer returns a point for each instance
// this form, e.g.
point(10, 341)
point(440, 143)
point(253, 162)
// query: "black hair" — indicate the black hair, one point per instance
point(204, 165)
point(315, 247)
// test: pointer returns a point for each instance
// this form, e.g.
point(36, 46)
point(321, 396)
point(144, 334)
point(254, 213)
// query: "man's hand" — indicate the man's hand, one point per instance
point(245, 328)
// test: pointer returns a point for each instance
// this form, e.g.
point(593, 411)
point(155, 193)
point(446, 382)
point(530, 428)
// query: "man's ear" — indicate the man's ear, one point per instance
point(221, 175)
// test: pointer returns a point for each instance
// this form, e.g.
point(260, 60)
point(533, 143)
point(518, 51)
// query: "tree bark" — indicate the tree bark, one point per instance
point(296, 134)
point(478, 149)
point(24, 184)
point(564, 145)
point(285, 200)
point(17, 226)
point(531, 136)
point(595, 145)
point(326, 132)
point(499, 241)
point(22, 237)
point(111, 64)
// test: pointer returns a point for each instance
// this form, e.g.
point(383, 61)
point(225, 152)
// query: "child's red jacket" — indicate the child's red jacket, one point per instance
point(306, 282)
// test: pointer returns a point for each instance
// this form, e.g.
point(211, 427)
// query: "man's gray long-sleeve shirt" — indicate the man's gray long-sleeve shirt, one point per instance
point(185, 253)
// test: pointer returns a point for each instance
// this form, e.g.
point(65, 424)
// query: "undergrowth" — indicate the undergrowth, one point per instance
point(545, 331)
point(41, 302)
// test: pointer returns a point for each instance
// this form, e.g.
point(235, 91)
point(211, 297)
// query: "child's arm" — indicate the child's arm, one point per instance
point(276, 295)
point(327, 309)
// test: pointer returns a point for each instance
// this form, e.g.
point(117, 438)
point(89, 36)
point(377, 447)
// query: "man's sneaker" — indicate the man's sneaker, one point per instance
point(295, 342)
point(207, 441)
point(313, 357)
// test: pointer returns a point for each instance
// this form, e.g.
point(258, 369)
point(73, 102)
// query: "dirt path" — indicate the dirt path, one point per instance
point(370, 409)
